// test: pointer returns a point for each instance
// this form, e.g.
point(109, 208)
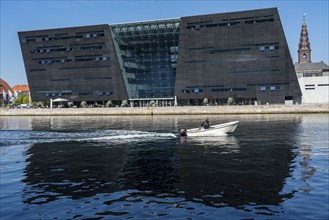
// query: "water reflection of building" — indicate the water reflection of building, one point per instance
point(150, 167)
point(70, 169)
point(235, 179)
point(307, 170)
point(215, 145)
point(255, 174)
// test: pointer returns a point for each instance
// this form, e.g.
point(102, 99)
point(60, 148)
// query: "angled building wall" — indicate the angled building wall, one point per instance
point(243, 55)
point(78, 63)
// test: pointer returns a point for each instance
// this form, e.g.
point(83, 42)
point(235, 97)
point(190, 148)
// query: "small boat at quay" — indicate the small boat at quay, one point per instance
point(212, 131)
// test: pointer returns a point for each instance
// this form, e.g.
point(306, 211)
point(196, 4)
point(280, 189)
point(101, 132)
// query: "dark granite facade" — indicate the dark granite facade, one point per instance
point(243, 55)
point(79, 64)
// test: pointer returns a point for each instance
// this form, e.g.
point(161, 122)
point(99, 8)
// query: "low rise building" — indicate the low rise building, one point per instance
point(6, 92)
point(313, 77)
point(21, 89)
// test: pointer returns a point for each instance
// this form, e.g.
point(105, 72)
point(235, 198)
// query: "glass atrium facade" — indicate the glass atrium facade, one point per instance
point(147, 54)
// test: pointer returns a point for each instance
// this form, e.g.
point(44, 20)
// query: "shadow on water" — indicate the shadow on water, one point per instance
point(238, 171)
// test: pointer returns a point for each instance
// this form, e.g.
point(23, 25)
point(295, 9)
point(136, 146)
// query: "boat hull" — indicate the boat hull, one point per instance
point(214, 130)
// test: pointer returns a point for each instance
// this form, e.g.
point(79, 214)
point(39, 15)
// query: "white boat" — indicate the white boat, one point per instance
point(213, 130)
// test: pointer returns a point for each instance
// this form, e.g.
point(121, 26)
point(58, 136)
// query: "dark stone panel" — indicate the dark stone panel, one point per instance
point(77, 63)
point(239, 54)
point(235, 50)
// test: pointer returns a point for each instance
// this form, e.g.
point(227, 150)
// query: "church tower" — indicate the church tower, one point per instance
point(304, 47)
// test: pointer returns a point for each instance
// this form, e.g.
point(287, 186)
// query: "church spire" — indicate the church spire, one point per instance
point(304, 47)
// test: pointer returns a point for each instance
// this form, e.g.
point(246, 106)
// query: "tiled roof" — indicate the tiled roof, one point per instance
point(311, 66)
point(4, 86)
point(20, 88)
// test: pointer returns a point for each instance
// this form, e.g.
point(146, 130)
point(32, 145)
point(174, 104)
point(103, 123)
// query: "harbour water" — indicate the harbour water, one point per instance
point(133, 167)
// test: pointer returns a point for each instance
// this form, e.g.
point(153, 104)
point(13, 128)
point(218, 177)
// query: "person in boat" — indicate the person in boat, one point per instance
point(183, 132)
point(205, 124)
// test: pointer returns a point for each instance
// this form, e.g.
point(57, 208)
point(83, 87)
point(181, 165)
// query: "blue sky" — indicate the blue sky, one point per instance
point(27, 15)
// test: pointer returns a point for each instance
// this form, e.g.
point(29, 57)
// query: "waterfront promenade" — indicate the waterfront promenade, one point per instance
point(178, 110)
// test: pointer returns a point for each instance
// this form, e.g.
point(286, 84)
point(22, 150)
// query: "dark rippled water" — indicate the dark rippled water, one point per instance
point(272, 167)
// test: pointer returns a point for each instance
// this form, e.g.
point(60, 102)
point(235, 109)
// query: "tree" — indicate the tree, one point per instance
point(83, 104)
point(109, 103)
point(205, 101)
point(26, 100)
point(230, 100)
point(22, 99)
point(39, 104)
point(70, 104)
point(124, 103)
point(152, 103)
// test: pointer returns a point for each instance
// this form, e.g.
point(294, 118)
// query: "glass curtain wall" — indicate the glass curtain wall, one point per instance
point(147, 53)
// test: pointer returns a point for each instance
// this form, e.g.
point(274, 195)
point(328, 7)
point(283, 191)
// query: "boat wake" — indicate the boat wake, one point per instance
point(126, 135)
point(25, 137)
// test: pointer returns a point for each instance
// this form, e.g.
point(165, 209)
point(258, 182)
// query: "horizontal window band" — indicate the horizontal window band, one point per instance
point(58, 91)
point(50, 58)
point(35, 70)
point(47, 47)
point(87, 67)
point(57, 80)
point(94, 32)
point(231, 60)
point(229, 90)
point(189, 87)
point(256, 71)
point(259, 21)
point(200, 48)
point(36, 36)
point(84, 93)
point(199, 22)
point(89, 44)
point(87, 56)
point(263, 44)
point(268, 84)
point(230, 22)
point(66, 37)
point(95, 78)
point(61, 34)
point(229, 50)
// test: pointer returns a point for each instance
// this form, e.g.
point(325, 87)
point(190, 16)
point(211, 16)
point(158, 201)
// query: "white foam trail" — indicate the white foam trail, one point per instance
point(10, 138)
point(133, 136)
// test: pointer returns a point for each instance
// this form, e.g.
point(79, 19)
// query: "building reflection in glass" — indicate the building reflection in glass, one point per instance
point(147, 53)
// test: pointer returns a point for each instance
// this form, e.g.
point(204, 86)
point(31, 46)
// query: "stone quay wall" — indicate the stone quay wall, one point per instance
point(178, 110)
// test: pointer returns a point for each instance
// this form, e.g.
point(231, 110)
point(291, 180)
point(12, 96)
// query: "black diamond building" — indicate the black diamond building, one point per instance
point(243, 55)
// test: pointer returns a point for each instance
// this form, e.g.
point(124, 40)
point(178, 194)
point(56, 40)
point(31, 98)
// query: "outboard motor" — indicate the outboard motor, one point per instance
point(183, 132)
